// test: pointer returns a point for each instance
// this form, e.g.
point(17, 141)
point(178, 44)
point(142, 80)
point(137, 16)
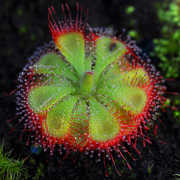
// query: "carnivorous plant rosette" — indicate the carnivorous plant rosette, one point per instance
point(88, 90)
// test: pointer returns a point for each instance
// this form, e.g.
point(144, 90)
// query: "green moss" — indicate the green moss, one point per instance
point(11, 169)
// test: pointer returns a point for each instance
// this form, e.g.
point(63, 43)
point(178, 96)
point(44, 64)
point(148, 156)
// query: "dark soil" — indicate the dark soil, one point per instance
point(23, 28)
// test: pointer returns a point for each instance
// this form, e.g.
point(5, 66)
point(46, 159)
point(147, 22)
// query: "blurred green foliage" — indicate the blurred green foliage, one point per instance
point(129, 11)
point(167, 48)
point(176, 103)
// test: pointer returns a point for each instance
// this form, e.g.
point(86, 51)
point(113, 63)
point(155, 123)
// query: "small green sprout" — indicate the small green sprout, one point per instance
point(150, 168)
point(39, 173)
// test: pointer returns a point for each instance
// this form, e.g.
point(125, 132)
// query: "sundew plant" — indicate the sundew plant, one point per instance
point(88, 90)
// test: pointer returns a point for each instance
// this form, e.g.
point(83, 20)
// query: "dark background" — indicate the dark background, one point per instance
point(23, 28)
